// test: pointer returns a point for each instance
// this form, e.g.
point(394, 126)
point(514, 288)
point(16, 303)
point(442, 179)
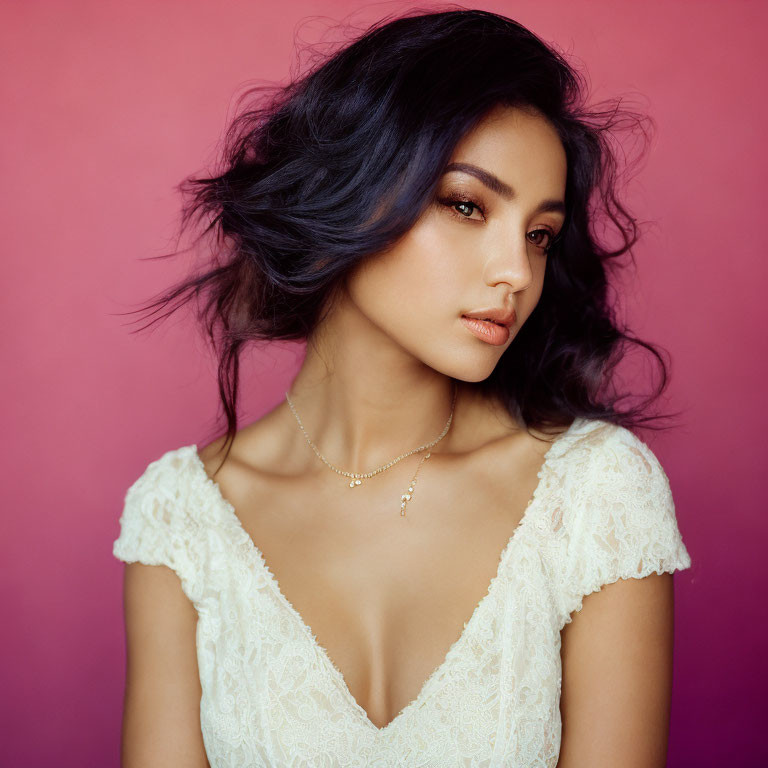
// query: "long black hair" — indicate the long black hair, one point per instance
point(337, 165)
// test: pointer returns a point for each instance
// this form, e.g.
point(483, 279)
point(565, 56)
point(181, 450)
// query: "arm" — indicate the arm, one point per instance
point(617, 676)
point(161, 715)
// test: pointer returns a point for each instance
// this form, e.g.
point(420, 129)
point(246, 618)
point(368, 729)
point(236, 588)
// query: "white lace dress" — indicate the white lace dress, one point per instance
point(271, 696)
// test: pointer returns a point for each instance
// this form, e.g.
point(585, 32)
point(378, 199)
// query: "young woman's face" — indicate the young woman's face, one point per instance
point(479, 246)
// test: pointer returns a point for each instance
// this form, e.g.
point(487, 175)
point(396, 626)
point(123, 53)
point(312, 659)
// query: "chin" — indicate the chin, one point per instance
point(471, 372)
point(477, 377)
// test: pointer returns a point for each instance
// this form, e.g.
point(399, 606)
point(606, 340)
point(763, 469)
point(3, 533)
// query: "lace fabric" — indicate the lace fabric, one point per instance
point(271, 696)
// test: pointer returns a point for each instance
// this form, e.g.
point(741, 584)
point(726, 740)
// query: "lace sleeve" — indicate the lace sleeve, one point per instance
point(625, 525)
point(155, 528)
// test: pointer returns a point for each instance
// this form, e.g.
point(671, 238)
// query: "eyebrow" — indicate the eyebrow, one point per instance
point(495, 184)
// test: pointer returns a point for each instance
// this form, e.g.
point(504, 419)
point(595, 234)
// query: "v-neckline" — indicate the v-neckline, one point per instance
point(256, 556)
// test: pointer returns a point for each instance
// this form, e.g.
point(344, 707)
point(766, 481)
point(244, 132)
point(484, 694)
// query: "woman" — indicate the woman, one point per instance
point(395, 565)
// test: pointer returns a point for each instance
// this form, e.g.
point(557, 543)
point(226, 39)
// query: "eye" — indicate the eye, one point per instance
point(455, 201)
point(549, 239)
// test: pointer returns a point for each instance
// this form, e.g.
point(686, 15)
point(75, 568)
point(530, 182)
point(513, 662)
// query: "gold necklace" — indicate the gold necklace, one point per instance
point(357, 478)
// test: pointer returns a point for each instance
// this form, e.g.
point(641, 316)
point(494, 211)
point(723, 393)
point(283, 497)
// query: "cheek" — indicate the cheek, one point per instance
point(416, 281)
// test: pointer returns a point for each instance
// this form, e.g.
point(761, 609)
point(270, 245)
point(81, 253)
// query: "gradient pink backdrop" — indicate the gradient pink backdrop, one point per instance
point(108, 105)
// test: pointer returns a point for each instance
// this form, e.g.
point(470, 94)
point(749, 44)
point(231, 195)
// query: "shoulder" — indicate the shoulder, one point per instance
point(157, 510)
point(619, 518)
point(212, 455)
point(166, 472)
point(165, 479)
point(266, 445)
point(622, 464)
point(164, 515)
point(605, 456)
point(613, 478)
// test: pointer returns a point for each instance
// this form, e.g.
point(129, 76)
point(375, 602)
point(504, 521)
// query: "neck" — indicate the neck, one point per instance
point(359, 427)
point(363, 401)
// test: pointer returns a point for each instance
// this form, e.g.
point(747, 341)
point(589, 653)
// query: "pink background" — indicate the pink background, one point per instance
point(108, 105)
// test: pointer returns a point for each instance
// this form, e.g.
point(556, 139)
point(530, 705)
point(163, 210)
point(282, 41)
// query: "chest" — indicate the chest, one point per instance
point(385, 598)
point(272, 695)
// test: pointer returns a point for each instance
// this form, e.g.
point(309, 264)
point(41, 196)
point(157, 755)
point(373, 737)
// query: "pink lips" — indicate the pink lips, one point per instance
point(492, 333)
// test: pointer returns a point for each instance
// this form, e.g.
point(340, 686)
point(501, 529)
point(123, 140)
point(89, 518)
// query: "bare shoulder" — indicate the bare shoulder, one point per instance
point(491, 427)
point(526, 444)
point(256, 445)
point(545, 438)
point(260, 459)
point(212, 455)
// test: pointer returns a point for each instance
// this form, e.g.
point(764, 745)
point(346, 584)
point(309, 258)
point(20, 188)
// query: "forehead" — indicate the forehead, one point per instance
point(517, 146)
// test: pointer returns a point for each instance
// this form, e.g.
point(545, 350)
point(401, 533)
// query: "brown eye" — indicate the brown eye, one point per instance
point(546, 232)
point(466, 207)
point(461, 207)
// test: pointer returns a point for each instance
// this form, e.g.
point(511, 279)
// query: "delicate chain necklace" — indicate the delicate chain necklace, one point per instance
point(357, 478)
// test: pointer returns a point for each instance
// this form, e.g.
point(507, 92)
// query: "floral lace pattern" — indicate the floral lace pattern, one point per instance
point(272, 697)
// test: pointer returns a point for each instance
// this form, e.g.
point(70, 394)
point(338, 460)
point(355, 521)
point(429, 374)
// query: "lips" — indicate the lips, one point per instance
point(498, 315)
point(487, 320)
point(486, 330)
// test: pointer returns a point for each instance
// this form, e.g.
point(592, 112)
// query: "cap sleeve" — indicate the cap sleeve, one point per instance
point(155, 525)
point(624, 523)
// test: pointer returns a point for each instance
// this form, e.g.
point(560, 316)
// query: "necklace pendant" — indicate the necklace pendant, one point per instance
point(356, 481)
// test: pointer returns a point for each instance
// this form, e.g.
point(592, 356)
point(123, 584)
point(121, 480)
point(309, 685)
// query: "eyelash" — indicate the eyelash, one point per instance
point(452, 201)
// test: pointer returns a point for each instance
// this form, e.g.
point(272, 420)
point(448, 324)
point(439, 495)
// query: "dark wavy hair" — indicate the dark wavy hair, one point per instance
point(336, 166)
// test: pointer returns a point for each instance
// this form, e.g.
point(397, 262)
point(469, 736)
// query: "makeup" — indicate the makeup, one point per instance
point(492, 333)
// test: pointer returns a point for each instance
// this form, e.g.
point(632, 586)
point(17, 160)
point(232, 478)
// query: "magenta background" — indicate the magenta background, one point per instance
point(107, 106)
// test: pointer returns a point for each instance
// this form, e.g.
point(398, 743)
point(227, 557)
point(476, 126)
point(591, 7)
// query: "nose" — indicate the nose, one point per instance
point(511, 261)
